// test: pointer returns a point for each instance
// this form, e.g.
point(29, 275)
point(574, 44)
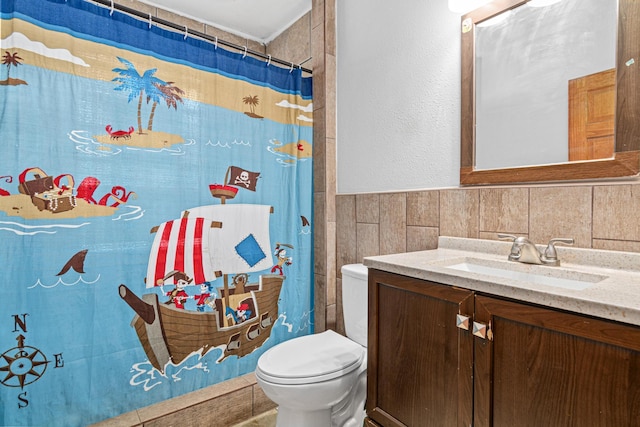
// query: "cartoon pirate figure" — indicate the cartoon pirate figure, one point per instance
point(240, 314)
point(243, 313)
point(201, 300)
point(178, 295)
point(281, 254)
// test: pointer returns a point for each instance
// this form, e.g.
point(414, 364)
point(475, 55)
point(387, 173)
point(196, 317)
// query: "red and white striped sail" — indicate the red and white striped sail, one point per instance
point(183, 245)
point(242, 244)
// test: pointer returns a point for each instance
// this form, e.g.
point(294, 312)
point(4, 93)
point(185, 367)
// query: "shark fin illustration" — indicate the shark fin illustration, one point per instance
point(76, 262)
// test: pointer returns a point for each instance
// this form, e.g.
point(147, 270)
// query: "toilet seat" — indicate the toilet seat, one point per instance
point(310, 359)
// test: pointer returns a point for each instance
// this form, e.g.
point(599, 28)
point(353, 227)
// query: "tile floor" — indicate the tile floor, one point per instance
point(268, 419)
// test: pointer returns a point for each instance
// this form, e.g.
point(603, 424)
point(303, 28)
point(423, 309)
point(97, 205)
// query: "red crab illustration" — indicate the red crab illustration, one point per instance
point(119, 133)
point(8, 179)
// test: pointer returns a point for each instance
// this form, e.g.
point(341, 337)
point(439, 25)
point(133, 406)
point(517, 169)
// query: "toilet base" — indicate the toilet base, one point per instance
point(289, 418)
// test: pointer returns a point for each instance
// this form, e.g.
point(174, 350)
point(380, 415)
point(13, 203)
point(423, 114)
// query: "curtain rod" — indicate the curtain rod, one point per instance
point(211, 39)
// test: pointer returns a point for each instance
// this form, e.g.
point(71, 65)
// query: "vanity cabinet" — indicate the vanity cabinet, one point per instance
point(420, 365)
point(518, 364)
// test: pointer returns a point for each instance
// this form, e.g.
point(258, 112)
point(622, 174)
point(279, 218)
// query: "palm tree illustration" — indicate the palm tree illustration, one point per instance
point(138, 85)
point(252, 101)
point(11, 59)
point(170, 94)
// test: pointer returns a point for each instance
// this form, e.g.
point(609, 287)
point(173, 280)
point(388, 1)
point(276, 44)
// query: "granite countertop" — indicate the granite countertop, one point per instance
point(611, 279)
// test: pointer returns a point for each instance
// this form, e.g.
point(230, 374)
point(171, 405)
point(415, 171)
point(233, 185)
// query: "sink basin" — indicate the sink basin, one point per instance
point(537, 274)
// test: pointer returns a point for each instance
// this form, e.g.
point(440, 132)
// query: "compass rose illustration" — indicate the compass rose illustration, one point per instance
point(23, 365)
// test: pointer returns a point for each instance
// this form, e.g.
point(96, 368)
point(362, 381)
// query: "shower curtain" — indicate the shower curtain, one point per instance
point(155, 206)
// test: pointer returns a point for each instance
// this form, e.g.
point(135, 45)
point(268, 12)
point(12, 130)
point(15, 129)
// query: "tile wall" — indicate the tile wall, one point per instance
point(323, 48)
point(597, 216)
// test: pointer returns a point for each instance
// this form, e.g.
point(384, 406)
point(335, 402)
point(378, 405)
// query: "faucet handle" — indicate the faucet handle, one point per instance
point(550, 253)
point(515, 248)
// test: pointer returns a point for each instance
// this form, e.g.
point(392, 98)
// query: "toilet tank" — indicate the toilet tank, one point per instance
point(355, 301)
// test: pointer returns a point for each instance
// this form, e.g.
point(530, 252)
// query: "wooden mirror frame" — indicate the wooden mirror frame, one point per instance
point(626, 159)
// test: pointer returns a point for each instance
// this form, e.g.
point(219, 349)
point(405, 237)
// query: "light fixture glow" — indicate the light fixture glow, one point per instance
point(464, 6)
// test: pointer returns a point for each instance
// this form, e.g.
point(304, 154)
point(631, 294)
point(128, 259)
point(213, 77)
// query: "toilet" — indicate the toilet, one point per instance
point(320, 380)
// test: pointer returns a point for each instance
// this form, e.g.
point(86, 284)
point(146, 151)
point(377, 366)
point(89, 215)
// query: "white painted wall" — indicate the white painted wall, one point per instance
point(398, 95)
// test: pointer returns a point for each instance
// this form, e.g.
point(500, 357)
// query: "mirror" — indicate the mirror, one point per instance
point(496, 80)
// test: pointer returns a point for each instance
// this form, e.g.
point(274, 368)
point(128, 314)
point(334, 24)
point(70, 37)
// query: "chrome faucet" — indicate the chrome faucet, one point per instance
point(524, 250)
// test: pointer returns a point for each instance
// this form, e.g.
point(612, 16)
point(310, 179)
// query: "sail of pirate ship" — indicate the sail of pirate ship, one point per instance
point(206, 242)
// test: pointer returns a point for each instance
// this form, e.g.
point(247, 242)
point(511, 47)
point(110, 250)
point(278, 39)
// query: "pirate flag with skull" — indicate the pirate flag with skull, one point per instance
point(242, 178)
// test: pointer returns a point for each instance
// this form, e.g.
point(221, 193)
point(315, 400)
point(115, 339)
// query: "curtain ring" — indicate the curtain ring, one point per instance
point(291, 69)
point(269, 61)
point(186, 32)
point(216, 43)
point(245, 52)
point(112, 8)
point(150, 21)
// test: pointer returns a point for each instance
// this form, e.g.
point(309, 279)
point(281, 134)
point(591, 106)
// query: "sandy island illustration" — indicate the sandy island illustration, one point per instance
point(41, 196)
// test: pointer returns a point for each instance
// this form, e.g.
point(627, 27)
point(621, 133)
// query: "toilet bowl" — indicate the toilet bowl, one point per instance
point(320, 380)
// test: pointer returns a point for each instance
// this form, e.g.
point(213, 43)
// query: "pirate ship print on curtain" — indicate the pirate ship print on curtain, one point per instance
point(230, 241)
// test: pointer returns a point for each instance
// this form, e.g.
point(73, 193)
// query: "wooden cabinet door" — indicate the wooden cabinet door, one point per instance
point(420, 363)
point(550, 368)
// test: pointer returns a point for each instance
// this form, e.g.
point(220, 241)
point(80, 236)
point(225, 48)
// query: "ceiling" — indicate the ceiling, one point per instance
point(259, 20)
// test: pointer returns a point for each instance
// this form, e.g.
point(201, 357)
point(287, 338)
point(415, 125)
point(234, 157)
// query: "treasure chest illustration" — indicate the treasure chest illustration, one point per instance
point(48, 193)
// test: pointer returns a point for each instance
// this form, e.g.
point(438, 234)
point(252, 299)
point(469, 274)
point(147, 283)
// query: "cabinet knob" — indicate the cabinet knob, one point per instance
point(483, 331)
point(462, 321)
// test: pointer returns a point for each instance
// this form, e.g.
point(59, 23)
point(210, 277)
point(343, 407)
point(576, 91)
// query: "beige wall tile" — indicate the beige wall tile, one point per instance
point(330, 176)
point(130, 419)
point(319, 151)
point(339, 309)
point(346, 242)
point(139, 6)
point(320, 302)
point(393, 223)
point(616, 212)
point(227, 410)
point(459, 213)
point(319, 233)
point(253, 45)
point(194, 398)
point(330, 28)
point(368, 208)
point(317, 13)
point(423, 208)
point(330, 95)
point(504, 210)
point(421, 238)
point(331, 263)
point(367, 240)
point(617, 245)
point(319, 75)
point(561, 212)
point(331, 317)
point(294, 44)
